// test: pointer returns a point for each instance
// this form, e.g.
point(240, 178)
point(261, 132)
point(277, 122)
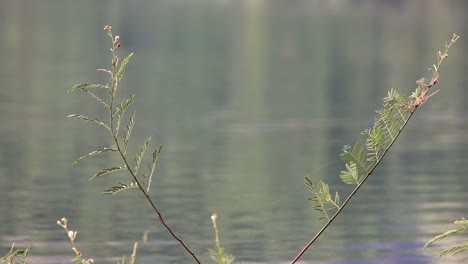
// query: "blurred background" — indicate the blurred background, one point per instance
point(247, 97)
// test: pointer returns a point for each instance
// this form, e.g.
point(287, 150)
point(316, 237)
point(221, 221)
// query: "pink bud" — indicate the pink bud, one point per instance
point(116, 39)
point(118, 45)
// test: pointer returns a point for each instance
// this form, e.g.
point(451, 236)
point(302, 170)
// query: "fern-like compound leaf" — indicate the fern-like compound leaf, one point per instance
point(94, 153)
point(128, 130)
point(119, 188)
point(107, 171)
point(86, 85)
point(351, 174)
point(152, 169)
point(87, 118)
point(455, 249)
point(375, 141)
point(121, 71)
point(120, 112)
point(356, 155)
point(138, 157)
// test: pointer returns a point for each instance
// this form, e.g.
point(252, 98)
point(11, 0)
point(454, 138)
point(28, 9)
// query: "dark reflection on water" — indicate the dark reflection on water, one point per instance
point(247, 98)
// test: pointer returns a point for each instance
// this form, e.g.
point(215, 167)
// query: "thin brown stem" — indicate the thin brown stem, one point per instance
point(351, 195)
point(113, 91)
point(412, 105)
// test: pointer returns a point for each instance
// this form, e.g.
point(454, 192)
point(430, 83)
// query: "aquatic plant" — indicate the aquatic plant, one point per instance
point(72, 236)
point(106, 95)
point(456, 249)
point(363, 158)
point(16, 255)
point(79, 259)
point(218, 253)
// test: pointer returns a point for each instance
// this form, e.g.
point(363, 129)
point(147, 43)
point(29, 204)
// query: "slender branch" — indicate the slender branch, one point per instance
point(416, 99)
point(160, 217)
point(351, 195)
point(113, 90)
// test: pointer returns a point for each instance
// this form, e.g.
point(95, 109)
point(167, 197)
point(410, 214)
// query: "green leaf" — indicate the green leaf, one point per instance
point(356, 155)
point(106, 171)
point(119, 188)
point(79, 85)
point(86, 85)
point(375, 141)
point(124, 104)
point(444, 235)
point(156, 154)
point(20, 254)
point(121, 71)
point(389, 120)
point(121, 111)
point(454, 250)
point(139, 156)
point(128, 130)
point(321, 197)
point(93, 153)
point(87, 118)
point(462, 222)
point(337, 198)
point(309, 183)
point(105, 70)
point(395, 99)
point(350, 176)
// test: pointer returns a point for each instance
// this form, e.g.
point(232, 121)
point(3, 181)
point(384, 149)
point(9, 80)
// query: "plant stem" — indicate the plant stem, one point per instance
point(113, 91)
point(351, 195)
point(160, 217)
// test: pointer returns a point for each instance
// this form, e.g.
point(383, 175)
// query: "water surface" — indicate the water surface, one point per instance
point(247, 97)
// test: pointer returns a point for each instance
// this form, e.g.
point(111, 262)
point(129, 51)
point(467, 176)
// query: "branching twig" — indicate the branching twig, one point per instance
point(385, 120)
point(116, 112)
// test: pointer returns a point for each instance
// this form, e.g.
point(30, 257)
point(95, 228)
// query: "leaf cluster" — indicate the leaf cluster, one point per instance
point(364, 156)
point(218, 253)
point(15, 254)
point(119, 133)
point(322, 199)
point(456, 249)
point(120, 126)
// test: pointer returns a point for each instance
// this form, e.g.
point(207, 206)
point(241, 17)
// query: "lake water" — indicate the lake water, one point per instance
point(247, 97)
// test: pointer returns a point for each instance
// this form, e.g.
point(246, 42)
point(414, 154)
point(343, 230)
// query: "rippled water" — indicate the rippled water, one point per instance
point(247, 97)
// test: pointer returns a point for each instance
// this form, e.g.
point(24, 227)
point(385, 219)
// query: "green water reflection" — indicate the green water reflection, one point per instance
point(247, 98)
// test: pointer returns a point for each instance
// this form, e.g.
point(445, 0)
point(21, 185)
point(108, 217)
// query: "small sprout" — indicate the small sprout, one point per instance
point(72, 234)
point(434, 80)
point(62, 222)
point(77, 252)
point(441, 55)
